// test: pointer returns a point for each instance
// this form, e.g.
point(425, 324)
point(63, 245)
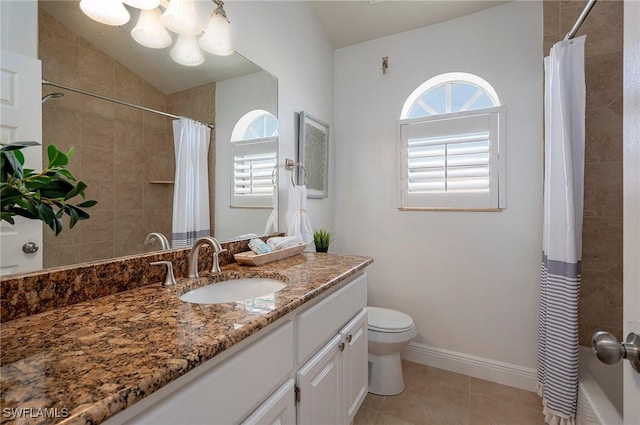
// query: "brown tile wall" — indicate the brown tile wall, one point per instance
point(118, 150)
point(601, 291)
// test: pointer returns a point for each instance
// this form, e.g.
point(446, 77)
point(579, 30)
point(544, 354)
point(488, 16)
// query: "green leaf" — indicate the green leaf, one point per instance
point(20, 156)
point(6, 216)
point(12, 166)
point(65, 173)
point(23, 213)
point(56, 158)
point(52, 153)
point(56, 226)
point(18, 145)
point(87, 204)
point(73, 214)
point(76, 190)
point(56, 189)
point(45, 213)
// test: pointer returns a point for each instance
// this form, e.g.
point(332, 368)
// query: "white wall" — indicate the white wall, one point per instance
point(238, 96)
point(469, 279)
point(286, 39)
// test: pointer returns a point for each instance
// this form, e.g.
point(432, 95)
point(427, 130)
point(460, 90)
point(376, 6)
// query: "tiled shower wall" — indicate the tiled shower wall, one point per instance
point(601, 291)
point(117, 150)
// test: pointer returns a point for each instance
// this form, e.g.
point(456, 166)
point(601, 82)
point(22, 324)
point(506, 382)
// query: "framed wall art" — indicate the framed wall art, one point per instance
point(313, 153)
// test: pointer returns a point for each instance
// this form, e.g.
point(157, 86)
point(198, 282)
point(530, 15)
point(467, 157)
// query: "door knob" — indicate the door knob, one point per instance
point(609, 350)
point(30, 248)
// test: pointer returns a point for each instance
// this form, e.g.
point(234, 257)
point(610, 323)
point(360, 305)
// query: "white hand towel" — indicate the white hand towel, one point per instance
point(283, 242)
point(299, 225)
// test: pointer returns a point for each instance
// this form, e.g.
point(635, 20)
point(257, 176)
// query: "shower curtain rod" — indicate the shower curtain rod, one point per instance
point(121, 102)
point(580, 20)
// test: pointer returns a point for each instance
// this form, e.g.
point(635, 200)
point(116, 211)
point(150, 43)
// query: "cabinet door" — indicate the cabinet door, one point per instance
point(320, 385)
point(355, 364)
point(279, 409)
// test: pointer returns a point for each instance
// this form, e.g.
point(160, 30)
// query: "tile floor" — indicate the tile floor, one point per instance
point(438, 397)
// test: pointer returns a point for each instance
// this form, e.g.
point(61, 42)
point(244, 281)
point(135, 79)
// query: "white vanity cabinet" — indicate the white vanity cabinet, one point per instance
point(309, 367)
point(332, 384)
point(226, 392)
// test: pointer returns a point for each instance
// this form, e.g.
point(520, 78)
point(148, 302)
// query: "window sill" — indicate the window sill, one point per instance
point(451, 209)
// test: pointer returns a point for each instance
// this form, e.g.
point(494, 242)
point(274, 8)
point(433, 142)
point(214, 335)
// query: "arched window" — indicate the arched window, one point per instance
point(451, 136)
point(447, 93)
point(257, 124)
point(254, 141)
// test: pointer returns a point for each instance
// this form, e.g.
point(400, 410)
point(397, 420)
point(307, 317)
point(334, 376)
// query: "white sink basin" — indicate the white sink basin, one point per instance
point(233, 290)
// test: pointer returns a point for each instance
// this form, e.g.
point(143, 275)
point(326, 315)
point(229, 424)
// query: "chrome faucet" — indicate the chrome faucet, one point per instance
point(164, 243)
point(192, 269)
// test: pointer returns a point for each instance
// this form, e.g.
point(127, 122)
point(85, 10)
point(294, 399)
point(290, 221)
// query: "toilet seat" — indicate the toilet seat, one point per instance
point(389, 321)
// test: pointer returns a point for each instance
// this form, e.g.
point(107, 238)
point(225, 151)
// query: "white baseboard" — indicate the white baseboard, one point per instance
point(477, 367)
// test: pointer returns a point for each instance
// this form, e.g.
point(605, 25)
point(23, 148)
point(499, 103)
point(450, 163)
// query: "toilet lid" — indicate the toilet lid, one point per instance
point(386, 320)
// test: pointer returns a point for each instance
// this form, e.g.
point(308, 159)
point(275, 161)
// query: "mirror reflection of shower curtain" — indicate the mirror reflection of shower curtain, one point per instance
point(191, 192)
point(562, 230)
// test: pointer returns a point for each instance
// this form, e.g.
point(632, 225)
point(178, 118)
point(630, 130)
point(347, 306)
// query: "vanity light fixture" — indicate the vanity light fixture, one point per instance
point(217, 37)
point(186, 51)
point(150, 32)
point(108, 12)
point(179, 17)
point(143, 4)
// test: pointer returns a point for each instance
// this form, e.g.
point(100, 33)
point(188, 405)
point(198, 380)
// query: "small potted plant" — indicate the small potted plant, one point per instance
point(322, 239)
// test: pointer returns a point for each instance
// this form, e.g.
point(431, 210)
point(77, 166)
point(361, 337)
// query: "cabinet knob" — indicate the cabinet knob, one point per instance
point(341, 346)
point(349, 338)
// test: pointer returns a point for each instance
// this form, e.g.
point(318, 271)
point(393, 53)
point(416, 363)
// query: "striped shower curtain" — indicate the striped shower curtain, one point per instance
point(190, 219)
point(562, 239)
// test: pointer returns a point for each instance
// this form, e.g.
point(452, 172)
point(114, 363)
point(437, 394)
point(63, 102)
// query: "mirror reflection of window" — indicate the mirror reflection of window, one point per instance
point(254, 154)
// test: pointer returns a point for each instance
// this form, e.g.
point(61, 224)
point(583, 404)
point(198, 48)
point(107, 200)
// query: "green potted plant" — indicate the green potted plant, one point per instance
point(44, 195)
point(322, 239)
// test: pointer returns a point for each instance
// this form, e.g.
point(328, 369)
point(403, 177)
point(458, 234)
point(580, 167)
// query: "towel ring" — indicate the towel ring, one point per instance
point(303, 170)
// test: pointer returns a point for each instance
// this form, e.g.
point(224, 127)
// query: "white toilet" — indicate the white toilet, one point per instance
point(389, 333)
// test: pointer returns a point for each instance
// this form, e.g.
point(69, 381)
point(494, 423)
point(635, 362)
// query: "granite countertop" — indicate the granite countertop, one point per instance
point(89, 361)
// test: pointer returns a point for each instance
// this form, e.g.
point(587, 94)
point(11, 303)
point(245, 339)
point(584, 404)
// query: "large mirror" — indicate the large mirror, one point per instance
point(126, 156)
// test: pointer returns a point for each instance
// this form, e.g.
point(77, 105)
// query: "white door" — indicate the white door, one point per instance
point(320, 385)
point(631, 200)
point(355, 365)
point(21, 119)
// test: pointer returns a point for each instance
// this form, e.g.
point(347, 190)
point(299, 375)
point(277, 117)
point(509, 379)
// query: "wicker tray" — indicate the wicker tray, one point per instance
point(250, 258)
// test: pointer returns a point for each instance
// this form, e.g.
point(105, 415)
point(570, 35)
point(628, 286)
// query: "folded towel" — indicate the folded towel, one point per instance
point(283, 242)
point(259, 247)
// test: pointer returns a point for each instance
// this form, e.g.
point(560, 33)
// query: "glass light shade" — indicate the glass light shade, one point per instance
point(108, 12)
point(150, 32)
point(217, 38)
point(181, 18)
point(143, 4)
point(186, 51)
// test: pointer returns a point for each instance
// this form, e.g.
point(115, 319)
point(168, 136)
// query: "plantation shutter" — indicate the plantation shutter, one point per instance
point(253, 164)
point(451, 161)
